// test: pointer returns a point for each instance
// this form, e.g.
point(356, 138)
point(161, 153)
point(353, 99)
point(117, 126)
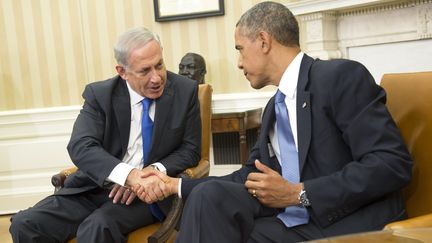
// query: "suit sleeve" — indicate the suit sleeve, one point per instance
point(380, 162)
point(85, 146)
point(238, 176)
point(188, 153)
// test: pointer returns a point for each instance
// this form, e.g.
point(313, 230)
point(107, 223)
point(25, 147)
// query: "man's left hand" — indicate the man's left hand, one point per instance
point(122, 194)
point(271, 189)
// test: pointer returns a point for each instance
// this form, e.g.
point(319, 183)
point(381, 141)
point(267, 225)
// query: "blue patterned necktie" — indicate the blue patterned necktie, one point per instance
point(146, 133)
point(293, 215)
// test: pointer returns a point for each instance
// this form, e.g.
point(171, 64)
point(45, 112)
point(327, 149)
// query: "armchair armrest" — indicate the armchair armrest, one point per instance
point(167, 227)
point(57, 180)
point(416, 222)
point(201, 170)
point(165, 231)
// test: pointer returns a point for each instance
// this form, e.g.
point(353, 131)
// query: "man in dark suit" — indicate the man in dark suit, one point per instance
point(108, 147)
point(350, 159)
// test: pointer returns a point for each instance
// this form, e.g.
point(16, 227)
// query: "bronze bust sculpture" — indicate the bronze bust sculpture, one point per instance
point(193, 66)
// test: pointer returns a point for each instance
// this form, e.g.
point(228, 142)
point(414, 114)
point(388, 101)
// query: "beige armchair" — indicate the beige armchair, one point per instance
point(409, 100)
point(165, 231)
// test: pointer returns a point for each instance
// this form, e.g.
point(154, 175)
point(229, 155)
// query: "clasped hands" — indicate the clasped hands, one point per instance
point(148, 184)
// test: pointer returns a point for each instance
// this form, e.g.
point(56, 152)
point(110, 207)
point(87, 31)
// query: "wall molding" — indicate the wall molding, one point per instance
point(377, 9)
point(33, 147)
point(332, 27)
point(311, 6)
point(368, 31)
point(236, 101)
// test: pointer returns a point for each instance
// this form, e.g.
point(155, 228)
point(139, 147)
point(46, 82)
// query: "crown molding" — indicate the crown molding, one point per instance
point(312, 6)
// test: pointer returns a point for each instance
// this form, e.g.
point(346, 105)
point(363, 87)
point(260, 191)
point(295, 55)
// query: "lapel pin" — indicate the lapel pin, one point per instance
point(304, 105)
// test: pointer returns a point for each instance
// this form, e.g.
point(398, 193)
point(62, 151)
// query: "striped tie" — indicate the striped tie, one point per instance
point(293, 215)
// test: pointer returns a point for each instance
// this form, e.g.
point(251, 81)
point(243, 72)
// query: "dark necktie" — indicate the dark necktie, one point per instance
point(293, 215)
point(146, 133)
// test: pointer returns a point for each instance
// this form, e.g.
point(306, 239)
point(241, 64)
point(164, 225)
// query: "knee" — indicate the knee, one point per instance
point(23, 226)
point(99, 227)
point(96, 219)
point(205, 200)
point(208, 191)
point(20, 222)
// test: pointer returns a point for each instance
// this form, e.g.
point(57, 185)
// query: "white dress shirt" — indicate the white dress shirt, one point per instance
point(288, 86)
point(134, 154)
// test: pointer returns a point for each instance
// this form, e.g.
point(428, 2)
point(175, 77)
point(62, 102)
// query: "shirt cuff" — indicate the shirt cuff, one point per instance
point(179, 188)
point(160, 167)
point(119, 174)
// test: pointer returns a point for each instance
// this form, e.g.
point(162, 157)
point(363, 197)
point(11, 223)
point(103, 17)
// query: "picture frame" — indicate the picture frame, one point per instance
point(169, 10)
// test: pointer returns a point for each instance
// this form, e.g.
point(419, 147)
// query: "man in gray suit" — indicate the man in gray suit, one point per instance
point(106, 145)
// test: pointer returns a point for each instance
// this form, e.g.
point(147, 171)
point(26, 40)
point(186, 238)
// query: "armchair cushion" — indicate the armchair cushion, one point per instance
point(424, 221)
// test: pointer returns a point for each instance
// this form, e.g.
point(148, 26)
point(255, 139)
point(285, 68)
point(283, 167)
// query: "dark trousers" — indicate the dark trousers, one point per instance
point(223, 211)
point(90, 216)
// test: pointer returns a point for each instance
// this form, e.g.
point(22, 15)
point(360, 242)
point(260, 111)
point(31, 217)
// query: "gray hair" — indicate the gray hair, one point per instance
point(131, 40)
point(273, 18)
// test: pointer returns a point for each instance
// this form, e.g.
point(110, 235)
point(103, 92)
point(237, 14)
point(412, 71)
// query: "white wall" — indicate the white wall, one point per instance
point(387, 36)
point(398, 57)
point(32, 149)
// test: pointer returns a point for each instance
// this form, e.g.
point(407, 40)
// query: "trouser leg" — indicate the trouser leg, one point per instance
point(112, 222)
point(54, 219)
point(272, 229)
point(219, 211)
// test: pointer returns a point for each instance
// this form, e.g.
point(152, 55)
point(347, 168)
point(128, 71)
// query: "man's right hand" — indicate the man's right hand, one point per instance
point(165, 187)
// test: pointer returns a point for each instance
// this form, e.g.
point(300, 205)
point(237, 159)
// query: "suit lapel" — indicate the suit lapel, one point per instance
point(122, 111)
point(163, 109)
point(268, 120)
point(304, 122)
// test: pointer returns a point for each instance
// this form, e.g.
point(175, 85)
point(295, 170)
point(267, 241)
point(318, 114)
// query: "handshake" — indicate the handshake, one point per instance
point(148, 184)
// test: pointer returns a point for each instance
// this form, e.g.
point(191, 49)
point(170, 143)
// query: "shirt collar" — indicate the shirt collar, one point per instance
point(288, 83)
point(135, 98)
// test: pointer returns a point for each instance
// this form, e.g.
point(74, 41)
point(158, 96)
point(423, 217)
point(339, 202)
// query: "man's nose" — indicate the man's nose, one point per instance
point(155, 77)
point(239, 64)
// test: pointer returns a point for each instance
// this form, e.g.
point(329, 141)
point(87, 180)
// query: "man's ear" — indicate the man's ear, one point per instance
point(266, 41)
point(121, 71)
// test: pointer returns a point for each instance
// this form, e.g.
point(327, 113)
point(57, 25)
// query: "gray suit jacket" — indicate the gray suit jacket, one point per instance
point(101, 131)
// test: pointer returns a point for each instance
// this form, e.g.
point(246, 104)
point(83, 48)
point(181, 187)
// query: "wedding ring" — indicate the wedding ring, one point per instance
point(254, 193)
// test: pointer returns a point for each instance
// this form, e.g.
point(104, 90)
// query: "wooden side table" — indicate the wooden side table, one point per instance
point(238, 120)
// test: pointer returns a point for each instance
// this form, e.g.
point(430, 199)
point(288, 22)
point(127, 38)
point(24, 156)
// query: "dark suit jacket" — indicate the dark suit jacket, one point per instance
point(101, 131)
point(353, 161)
